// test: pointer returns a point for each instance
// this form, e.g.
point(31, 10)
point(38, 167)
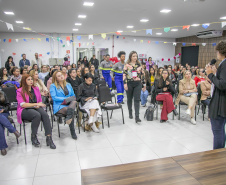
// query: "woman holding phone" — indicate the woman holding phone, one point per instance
point(133, 82)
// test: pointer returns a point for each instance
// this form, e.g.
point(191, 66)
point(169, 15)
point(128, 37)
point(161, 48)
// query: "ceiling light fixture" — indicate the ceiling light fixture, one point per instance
point(75, 29)
point(158, 33)
point(174, 30)
point(19, 22)
point(9, 13)
point(88, 4)
point(223, 18)
point(165, 11)
point(130, 26)
point(82, 16)
point(144, 20)
point(78, 24)
point(195, 25)
point(120, 31)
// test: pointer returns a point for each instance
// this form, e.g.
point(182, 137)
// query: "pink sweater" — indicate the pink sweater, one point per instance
point(20, 100)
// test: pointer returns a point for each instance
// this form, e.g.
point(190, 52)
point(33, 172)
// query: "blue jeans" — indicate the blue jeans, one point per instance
point(218, 128)
point(144, 97)
point(5, 123)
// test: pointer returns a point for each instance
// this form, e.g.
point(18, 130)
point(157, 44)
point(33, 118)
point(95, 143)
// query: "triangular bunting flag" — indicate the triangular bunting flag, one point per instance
point(134, 40)
point(92, 43)
point(117, 37)
point(4, 40)
point(27, 28)
point(205, 26)
point(193, 44)
point(10, 40)
point(214, 44)
point(39, 39)
point(47, 39)
point(167, 29)
point(58, 38)
point(165, 42)
point(141, 41)
point(103, 35)
point(149, 42)
point(118, 33)
point(174, 43)
point(48, 53)
point(68, 43)
point(14, 54)
point(61, 41)
point(203, 44)
point(68, 38)
point(79, 37)
point(186, 27)
point(87, 43)
point(63, 46)
point(71, 41)
point(91, 37)
point(79, 44)
point(124, 38)
point(184, 44)
point(156, 42)
point(223, 24)
point(149, 32)
point(9, 26)
point(17, 40)
point(25, 40)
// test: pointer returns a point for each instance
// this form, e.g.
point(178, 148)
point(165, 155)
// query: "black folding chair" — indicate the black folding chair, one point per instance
point(105, 97)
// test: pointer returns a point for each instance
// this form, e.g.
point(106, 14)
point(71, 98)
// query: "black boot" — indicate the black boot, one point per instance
point(70, 114)
point(137, 119)
point(175, 112)
point(72, 130)
point(34, 140)
point(49, 142)
point(130, 115)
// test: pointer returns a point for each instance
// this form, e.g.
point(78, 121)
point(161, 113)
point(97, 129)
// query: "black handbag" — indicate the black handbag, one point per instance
point(149, 113)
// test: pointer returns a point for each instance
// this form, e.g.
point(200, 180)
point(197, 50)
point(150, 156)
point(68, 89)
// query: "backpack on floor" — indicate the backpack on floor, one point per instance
point(149, 113)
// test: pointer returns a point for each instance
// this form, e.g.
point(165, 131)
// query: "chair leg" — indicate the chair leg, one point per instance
point(83, 122)
point(102, 120)
point(111, 114)
point(51, 114)
point(179, 112)
point(78, 123)
point(198, 109)
point(195, 112)
point(157, 111)
point(123, 116)
point(108, 119)
point(58, 125)
point(25, 134)
point(20, 129)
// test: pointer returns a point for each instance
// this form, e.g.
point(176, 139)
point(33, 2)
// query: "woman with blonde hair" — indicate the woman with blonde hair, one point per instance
point(64, 101)
point(188, 94)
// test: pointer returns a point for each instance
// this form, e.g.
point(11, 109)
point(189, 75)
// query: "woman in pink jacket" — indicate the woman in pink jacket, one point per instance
point(30, 108)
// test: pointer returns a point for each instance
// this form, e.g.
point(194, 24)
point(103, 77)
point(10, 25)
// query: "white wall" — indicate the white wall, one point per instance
point(56, 50)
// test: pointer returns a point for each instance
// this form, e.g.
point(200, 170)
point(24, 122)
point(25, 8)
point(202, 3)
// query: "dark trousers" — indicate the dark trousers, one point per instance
point(218, 128)
point(168, 105)
point(5, 123)
point(36, 116)
point(134, 92)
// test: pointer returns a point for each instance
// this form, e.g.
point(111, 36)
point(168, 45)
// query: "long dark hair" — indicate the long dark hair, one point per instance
point(83, 72)
point(70, 71)
point(160, 85)
point(1, 72)
point(150, 71)
point(24, 86)
point(9, 58)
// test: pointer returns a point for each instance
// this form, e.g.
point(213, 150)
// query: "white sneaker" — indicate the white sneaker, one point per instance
point(188, 111)
point(193, 121)
point(95, 128)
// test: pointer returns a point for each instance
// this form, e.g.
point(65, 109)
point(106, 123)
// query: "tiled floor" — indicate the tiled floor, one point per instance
point(119, 144)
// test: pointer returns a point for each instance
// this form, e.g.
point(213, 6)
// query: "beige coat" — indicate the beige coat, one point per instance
point(205, 87)
point(183, 87)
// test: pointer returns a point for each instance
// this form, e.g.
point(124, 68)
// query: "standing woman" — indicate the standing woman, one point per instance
point(59, 91)
point(93, 72)
point(9, 64)
point(85, 62)
point(30, 107)
point(133, 84)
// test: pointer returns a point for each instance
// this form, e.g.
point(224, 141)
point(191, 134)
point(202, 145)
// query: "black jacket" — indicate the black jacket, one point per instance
point(74, 84)
point(4, 104)
point(46, 79)
point(85, 91)
point(170, 88)
point(8, 67)
point(95, 78)
point(85, 62)
point(94, 62)
point(217, 105)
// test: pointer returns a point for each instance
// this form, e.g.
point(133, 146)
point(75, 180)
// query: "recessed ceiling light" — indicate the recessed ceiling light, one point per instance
point(130, 26)
point(134, 31)
point(174, 30)
point(158, 33)
point(223, 18)
point(195, 25)
point(75, 29)
point(78, 24)
point(144, 20)
point(9, 13)
point(19, 22)
point(120, 31)
point(88, 4)
point(165, 11)
point(82, 16)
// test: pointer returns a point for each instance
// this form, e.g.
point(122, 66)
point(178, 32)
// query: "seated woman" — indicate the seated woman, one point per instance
point(206, 90)
point(144, 91)
point(188, 94)
point(15, 75)
point(4, 75)
point(64, 71)
point(49, 82)
point(39, 83)
point(87, 96)
point(35, 67)
point(151, 77)
point(84, 71)
point(94, 73)
point(30, 108)
point(59, 91)
point(200, 78)
point(23, 70)
point(44, 73)
point(71, 79)
point(79, 76)
point(164, 91)
point(5, 123)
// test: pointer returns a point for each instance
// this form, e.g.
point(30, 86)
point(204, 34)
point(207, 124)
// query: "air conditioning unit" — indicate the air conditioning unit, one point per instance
point(209, 34)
